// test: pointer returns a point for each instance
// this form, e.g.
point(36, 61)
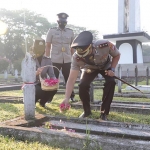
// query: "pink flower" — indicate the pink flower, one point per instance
point(50, 82)
point(64, 107)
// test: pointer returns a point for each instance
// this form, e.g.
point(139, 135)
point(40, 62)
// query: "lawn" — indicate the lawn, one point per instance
point(9, 143)
point(10, 110)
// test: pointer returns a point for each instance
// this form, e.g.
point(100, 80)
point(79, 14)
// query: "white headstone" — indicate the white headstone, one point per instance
point(29, 77)
point(16, 73)
point(5, 75)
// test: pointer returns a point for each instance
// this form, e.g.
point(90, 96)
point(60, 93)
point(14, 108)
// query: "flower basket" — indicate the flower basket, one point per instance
point(49, 84)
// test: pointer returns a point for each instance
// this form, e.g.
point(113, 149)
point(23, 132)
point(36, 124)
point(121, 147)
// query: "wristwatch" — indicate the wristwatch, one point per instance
point(113, 69)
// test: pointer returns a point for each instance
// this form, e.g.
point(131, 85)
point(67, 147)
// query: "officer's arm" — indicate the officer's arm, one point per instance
point(70, 84)
point(115, 61)
point(48, 48)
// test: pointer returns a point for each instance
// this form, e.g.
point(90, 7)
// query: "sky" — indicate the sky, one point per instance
point(100, 15)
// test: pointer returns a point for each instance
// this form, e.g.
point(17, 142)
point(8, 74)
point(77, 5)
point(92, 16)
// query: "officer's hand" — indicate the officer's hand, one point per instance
point(109, 73)
point(64, 105)
point(39, 70)
point(65, 101)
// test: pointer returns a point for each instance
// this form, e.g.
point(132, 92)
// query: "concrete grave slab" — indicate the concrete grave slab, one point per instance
point(33, 131)
point(129, 108)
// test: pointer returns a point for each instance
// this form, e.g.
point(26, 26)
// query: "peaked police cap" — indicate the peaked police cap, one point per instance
point(85, 38)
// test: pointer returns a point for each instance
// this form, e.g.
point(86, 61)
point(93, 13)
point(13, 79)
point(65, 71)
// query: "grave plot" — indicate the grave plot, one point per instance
point(80, 133)
point(84, 133)
point(129, 107)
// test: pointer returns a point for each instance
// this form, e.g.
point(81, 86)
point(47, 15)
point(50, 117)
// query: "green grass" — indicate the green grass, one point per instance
point(10, 111)
point(10, 143)
point(98, 96)
point(16, 93)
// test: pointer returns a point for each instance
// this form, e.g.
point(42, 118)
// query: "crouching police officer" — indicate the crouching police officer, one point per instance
point(93, 58)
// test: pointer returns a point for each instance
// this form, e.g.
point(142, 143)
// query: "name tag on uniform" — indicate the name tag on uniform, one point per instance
point(63, 49)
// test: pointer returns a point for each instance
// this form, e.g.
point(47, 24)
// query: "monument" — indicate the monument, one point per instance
point(130, 36)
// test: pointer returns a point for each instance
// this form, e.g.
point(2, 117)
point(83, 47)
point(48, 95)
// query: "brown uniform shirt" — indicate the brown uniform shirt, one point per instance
point(61, 41)
point(103, 52)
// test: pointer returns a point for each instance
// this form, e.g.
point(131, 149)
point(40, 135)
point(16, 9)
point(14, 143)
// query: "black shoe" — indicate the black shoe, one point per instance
point(84, 115)
point(72, 99)
point(42, 105)
point(103, 116)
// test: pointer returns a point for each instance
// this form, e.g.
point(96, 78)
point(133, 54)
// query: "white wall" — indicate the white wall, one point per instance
point(126, 54)
point(139, 54)
point(120, 16)
point(134, 16)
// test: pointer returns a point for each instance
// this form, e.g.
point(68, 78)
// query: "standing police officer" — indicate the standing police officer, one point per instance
point(98, 57)
point(58, 43)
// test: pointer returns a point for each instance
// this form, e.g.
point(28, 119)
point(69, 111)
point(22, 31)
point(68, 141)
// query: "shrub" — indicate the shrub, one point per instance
point(4, 63)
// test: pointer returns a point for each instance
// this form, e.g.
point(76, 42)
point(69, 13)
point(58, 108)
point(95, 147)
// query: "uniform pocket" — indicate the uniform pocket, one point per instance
point(67, 39)
point(56, 38)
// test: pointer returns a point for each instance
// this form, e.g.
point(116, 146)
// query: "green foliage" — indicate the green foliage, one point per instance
point(78, 29)
point(21, 23)
point(146, 50)
point(17, 64)
point(4, 63)
point(24, 27)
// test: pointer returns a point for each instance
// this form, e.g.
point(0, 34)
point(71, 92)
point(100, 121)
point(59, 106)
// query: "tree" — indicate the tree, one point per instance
point(23, 27)
point(146, 49)
point(4, 63)
point(78, 29)
point(17, 64)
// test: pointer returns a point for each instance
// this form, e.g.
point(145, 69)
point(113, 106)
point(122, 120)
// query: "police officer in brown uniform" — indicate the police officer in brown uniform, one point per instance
point(94, 58)
point(58, 43)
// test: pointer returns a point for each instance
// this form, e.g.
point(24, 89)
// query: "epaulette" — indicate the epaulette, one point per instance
point(103, 45)
point(69, 29)
point(100, 44)
point(53, 28)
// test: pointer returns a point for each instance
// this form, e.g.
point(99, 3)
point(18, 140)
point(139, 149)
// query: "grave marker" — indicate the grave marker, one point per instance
point(29, 76)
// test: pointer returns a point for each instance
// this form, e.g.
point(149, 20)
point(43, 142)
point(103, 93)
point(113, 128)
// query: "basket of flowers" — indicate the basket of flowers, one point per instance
point(49, 84)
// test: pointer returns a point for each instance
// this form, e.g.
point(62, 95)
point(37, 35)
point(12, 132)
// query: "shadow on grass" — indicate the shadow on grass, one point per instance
point(49, 110)
point(9, 108)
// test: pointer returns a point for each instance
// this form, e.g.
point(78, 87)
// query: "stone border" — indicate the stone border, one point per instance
point(68, 139)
